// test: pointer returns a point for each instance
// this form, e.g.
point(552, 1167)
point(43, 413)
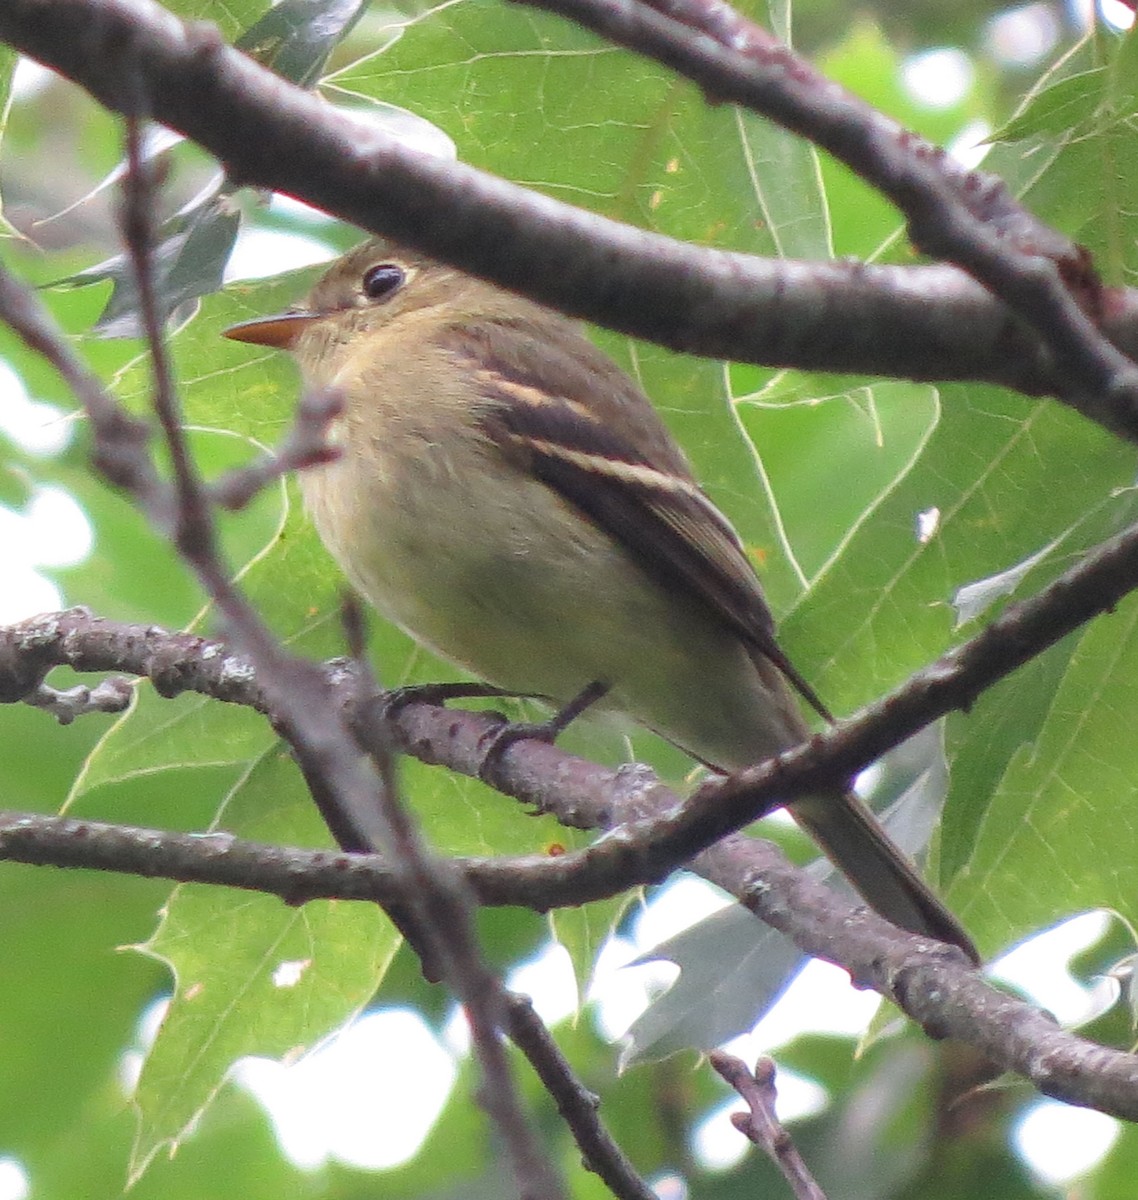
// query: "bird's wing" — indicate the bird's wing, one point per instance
point(642, 495)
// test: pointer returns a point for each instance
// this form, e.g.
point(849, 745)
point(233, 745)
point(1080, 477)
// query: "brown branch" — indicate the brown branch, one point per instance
point(760, 1125)
point(441, 909)
point(934, 986)
point(537, 774)
point(965, 217)
point(576, 1104)
point(920, 323)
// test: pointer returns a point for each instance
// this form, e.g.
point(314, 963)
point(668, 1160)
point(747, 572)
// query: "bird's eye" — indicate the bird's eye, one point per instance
point(381, 280)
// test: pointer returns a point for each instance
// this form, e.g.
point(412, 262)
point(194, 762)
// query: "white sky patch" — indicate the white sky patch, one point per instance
point(130, 1066)
point(1022, 36)
point(620, 993)
point(25, 592)
point(669, 1187)
point(260, 253)
point(970, 146)
point(675, 908)
point(14, 1183)
point(1060, 1143)
point(51, 531)
point(548, 980)
point(1039, 967)
point(35, 427)
point(289, 207)
point(1116, 14)
point(30, 78)
point(340, 1102)
point(821, 999)
point(57, 530)
point(938, 78)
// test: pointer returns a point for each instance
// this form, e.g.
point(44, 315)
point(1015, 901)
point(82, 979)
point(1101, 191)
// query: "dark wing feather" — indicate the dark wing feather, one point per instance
point(652, 507)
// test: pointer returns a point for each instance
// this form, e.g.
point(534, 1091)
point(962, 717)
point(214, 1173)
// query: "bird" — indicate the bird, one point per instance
point(508, 495)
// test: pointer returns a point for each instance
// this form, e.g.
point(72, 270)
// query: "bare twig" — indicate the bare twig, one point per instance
point(305, 445)
point(120, 440)
point(577, 1105)
point(937, 989)
point(760, 1125)
point(296, 688)
point(441, 908)
point(110, 696)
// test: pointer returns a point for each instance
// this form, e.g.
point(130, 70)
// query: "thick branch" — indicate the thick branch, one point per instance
point(538, 775)
point(965, 217)
point(934, 986)
point(920, 323)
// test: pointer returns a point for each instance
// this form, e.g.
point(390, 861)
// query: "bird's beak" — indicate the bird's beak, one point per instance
point(280, 332)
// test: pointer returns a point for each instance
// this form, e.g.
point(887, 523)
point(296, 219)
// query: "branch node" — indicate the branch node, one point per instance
point(112, 695)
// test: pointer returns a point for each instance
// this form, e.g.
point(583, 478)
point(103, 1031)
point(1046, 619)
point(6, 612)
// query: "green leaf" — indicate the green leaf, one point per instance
point(232, 17)
point(1078, 163)
point(1064, 793)
point(190, 254)
point(543, 102)
point(1059, 109)
point(8, 59)
point(295, 37)
point(252, 975)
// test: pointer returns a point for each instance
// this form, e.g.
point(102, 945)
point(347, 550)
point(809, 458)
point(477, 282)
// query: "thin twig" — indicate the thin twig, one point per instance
point(344, 785)
point(578, 1106)
point(110, 696)
point(442, 910)
point(760, 1124)
point(305, 445)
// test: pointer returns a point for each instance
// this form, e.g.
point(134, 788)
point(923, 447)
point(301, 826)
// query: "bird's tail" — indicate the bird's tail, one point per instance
point(855, 841)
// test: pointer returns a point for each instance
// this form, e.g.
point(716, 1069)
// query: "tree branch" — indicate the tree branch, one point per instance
point(578, 1106)
point(965, 217)
point(933, 985)
point(582, 795)
point(441, 907)
point(760, 1125)
point(930, 323)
